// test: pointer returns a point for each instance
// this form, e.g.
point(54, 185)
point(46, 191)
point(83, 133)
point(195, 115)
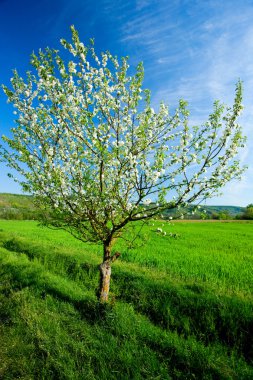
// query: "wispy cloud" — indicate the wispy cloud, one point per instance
point(198, 54)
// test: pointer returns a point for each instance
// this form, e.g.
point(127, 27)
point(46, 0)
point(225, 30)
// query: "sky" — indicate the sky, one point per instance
point(191, 49)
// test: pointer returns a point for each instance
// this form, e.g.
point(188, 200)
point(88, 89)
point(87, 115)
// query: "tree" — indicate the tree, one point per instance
point(248, 213)
point(93, 151)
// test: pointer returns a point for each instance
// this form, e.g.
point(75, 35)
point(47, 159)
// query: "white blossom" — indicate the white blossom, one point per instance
point(102, 157)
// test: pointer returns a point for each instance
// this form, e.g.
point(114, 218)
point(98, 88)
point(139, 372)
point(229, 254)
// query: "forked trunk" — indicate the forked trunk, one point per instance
point(105, 272)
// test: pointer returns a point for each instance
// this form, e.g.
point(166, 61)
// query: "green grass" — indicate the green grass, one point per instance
point(180, 308)
point(219, 255)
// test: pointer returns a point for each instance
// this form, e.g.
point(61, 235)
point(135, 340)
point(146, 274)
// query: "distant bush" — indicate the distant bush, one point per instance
point(222, 215)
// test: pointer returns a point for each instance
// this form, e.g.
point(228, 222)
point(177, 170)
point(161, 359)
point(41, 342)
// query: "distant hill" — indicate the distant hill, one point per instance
point(17, 206)
point(207, 212)
point(233, 210)
point(15, 200)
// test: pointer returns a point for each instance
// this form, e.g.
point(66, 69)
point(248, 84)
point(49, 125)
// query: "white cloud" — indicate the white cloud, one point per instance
point(199, 57)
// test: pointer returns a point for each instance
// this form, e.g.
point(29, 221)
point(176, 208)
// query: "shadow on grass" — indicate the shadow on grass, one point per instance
point(22, 273)
point(187, 309)
point(180, 354)
point(58, 262)
point(190, 310)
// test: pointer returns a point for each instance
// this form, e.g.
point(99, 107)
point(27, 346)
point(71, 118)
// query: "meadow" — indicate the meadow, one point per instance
point(181, 305)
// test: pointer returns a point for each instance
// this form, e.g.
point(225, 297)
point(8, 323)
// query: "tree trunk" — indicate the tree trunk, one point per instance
point(105, 276)
point(105, 272)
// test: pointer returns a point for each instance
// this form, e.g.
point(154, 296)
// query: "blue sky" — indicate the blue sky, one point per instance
point(194, 50)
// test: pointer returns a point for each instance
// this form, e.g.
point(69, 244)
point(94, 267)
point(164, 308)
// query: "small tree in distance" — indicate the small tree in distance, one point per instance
point(92, 149)
point(248, 213)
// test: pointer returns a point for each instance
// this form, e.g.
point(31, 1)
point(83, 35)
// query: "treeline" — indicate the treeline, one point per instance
point(247, 214)
point(207, 212)
point(19, 214)
point(211, 212)
point(21, 207)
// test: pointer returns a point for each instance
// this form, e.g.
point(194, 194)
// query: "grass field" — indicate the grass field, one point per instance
point(181, 306)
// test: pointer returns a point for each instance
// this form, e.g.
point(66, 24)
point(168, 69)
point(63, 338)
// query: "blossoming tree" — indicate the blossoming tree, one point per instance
point(90, 147)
